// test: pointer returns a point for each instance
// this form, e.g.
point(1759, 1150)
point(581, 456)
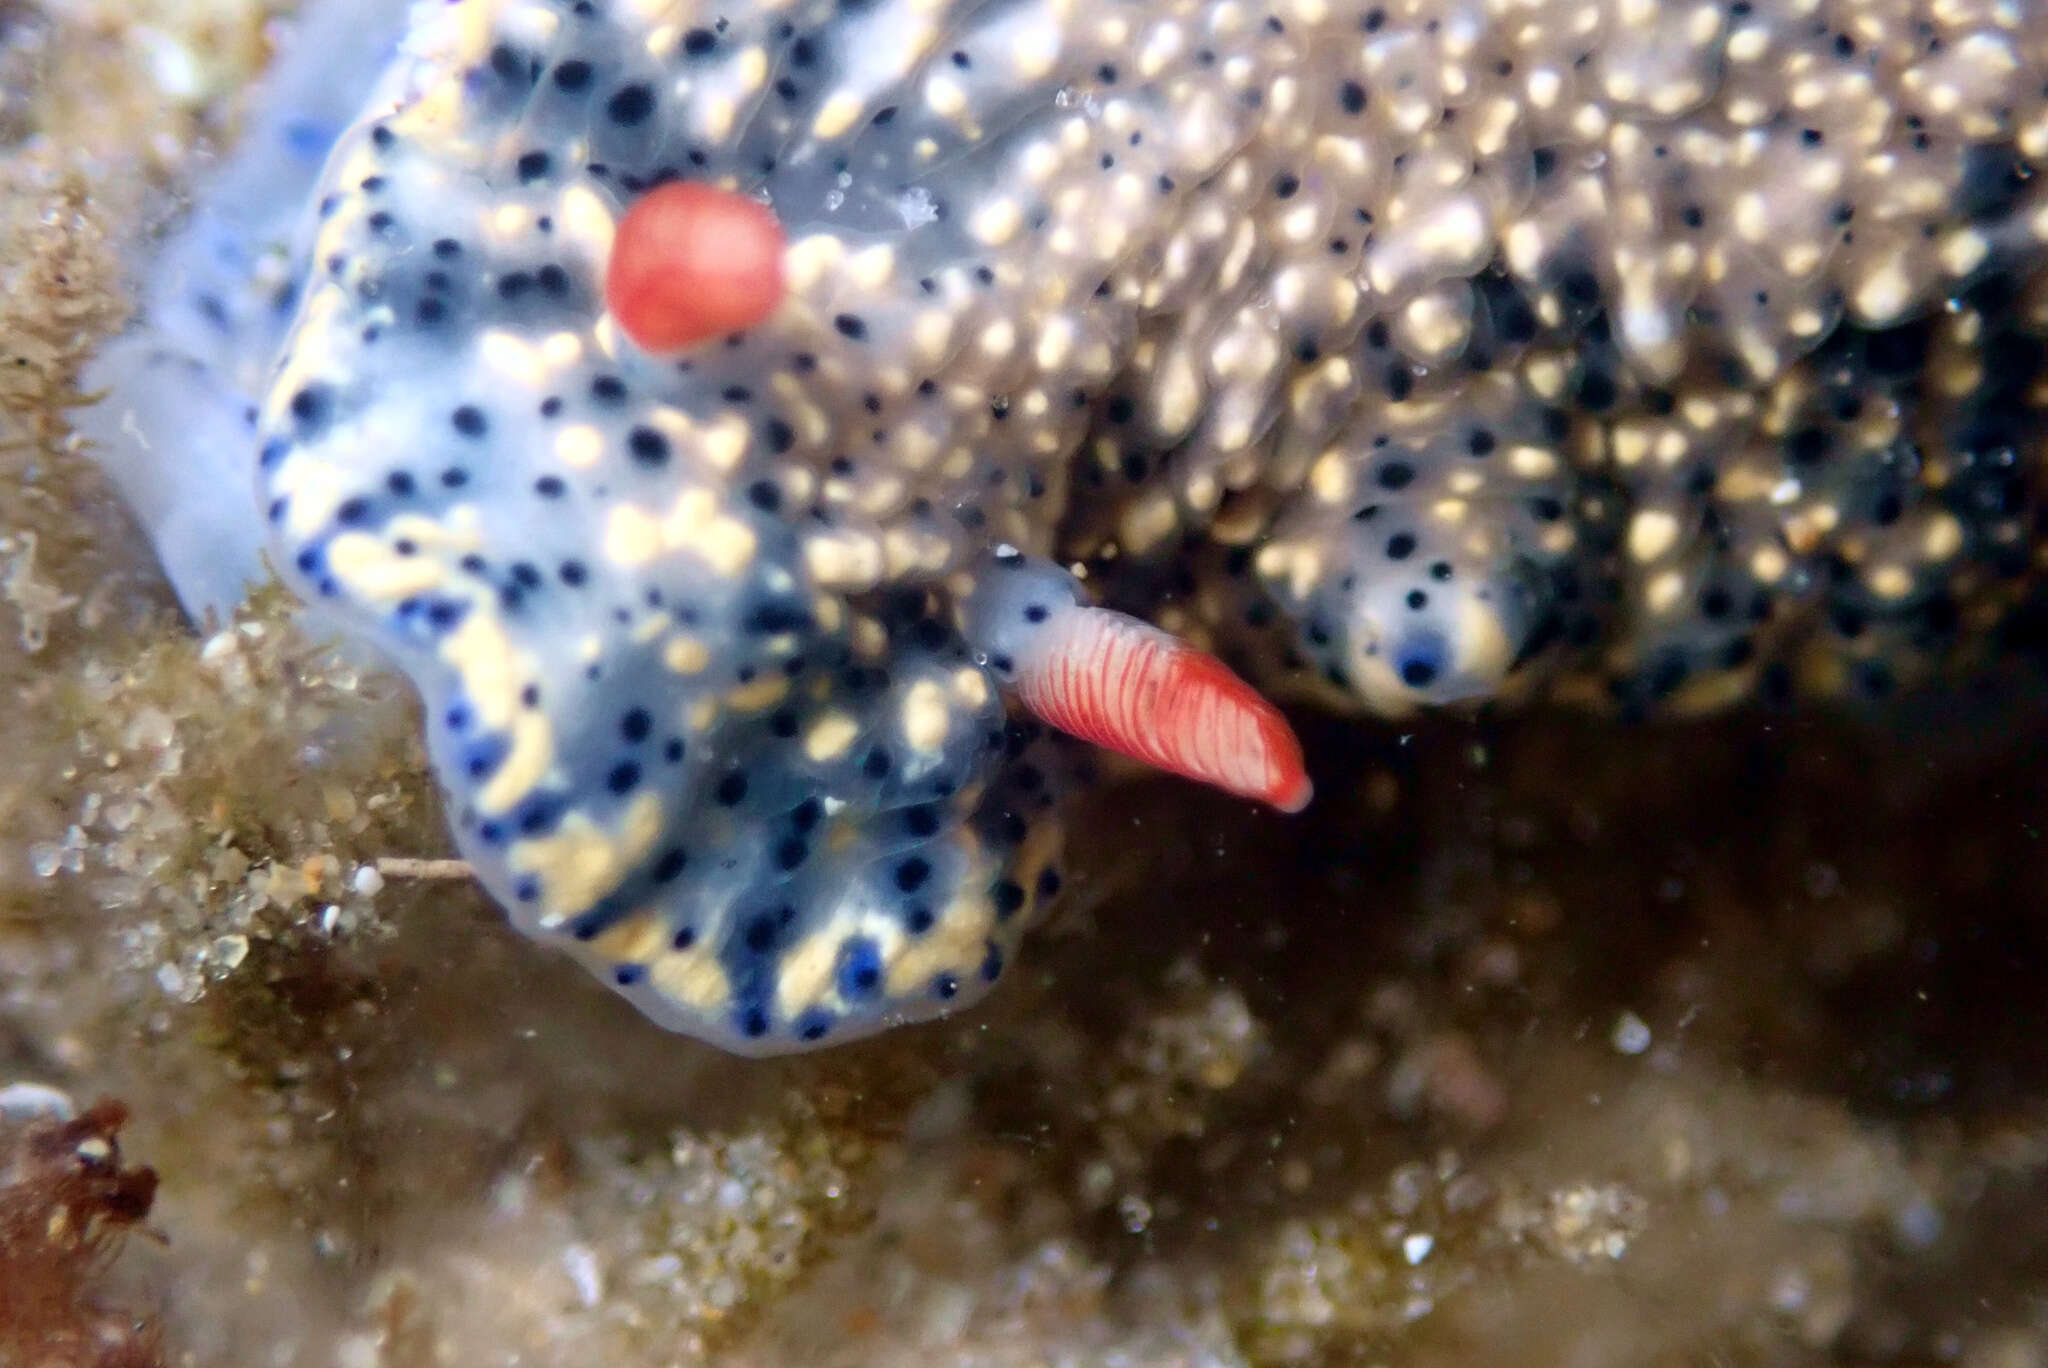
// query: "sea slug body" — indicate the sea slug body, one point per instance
point(1398, 354)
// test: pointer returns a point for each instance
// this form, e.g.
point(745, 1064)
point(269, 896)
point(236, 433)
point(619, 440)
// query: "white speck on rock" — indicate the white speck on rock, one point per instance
point(579, 1261)
point(34, 1102)
point(1631, 1034)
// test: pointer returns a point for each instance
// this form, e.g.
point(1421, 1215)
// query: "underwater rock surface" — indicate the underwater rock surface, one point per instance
point(1537, 1040)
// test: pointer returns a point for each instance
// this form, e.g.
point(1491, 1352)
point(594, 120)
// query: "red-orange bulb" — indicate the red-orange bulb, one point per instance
point(692, 262)
point(1127, 686)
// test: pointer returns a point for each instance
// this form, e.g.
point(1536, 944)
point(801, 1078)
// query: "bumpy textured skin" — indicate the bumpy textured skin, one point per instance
point(1644, 354)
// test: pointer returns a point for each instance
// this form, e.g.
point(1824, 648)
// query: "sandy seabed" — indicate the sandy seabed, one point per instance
point(1540, 1041)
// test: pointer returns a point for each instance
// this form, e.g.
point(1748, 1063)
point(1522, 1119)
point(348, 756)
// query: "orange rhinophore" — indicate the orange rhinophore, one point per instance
point(691, 262)
point(1131, 688)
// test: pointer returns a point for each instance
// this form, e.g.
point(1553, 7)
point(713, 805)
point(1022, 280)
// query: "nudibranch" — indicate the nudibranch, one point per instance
point(696, 403)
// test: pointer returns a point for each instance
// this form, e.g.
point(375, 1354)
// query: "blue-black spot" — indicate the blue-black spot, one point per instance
point(445, 614)
point(771, 619)
point(1400, 546)
point(921, 820)
point(572, 75)
point(1597, 391)
point(684, 938)
point(539, 814)
point(311, 405)
point(510, 64)
point(859, 971)
point(1048, 883)
point(481, 760)
point(669, 864)
point(754, 1023)
point(1420, 662)
point(732, 788)
point(1808, 445)
point(649, 447)
point(760, 934)
point(699, 41)
point(813, 1025)
point(945, 986)
point(992, 963)
point(630, 105)
point(352, 512)
point(917, 919)
point(1994, 177)
point(1008, 897)
point(550, 487)
point(791, 852)
point(626, 975)
point(912, 873)
point(532, 166)
point(636, 724)
point(623, 777)
point(850, 326)
point(573, 573)
point(469, 421)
